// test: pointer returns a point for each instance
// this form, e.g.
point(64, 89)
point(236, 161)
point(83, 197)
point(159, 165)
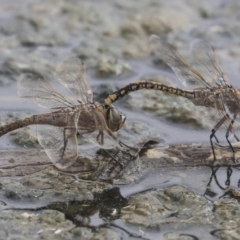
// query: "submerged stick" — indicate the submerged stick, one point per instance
point(191, 155)
point(28, 161)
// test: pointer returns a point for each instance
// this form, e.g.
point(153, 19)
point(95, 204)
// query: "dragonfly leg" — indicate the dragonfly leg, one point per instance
point(213, 135)
point(232, 122)
point(125, 145)
point(65, 138)
point(208, 191)
point(213, 151)
point(214, 130)
point(214, 171)
point(111, 156)
point(227, 137)
point(236, 137)
point(100, 135)
point(137, 150)
point(230, 128)
point(229, 174)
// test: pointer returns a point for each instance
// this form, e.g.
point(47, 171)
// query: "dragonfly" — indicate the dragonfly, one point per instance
point(57, 130)
point(214, 92)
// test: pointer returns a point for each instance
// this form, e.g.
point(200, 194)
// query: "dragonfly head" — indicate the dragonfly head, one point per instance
point(115, 120)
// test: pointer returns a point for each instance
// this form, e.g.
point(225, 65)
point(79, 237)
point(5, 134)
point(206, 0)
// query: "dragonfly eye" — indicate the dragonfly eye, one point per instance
point(115, 120)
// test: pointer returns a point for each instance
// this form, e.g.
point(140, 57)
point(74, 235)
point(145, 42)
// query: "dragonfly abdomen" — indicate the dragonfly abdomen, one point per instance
point(16, 124)
point(147, 85)
point(56, 119)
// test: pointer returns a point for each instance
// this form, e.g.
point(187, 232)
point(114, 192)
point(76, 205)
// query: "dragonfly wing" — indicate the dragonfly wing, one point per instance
point(71, 74)
point(185, 73)
point(231, 103)
point(59, 143)
point(204, 53)
point(40, 91)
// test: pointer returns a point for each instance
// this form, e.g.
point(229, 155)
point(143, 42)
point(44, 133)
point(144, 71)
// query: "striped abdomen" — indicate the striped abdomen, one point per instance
point(155, 86)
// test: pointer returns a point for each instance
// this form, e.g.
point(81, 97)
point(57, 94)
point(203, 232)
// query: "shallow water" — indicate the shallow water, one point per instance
point(164, 199)
point(194, 179)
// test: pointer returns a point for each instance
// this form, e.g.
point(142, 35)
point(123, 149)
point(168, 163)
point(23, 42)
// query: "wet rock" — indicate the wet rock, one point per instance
point(9, 42)
point(83, 13)
point(25, 139)
point(178, 236)
point(175, 205)
point(218, 34)
point(163, 21)
point(48, 224)
point(206, 11)
point(136, 49)
point(88, 50)
point(49, 185)
point(9, 71)
point(226, 219)
point(109, 67)
point(51, 39)
point(225, 209)
point(107, 234)
point(53, 221)
point(102, 233)
point(97, 50)
point(12, 195)
point(82, 232)
point(229, 10)
point(13, 66)
point(14, 25)
point(229, 231)
point(132, 28)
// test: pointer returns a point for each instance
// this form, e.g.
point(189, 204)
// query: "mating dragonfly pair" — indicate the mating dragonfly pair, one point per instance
point(56, 131)
point(216, 93)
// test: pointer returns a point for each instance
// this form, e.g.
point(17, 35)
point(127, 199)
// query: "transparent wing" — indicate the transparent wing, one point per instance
point(40, 91)
point(71, 74)
point(205, 55)
point(231, 103)
point(59, 143)
point(185, 73)
point(210, 111)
